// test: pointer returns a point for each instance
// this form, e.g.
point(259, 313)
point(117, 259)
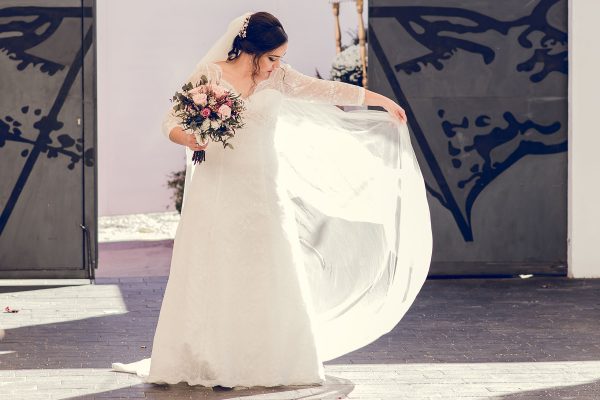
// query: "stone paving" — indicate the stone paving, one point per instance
point(536, 338)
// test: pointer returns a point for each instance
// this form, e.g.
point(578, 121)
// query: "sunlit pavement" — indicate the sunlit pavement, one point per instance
point(462, 339)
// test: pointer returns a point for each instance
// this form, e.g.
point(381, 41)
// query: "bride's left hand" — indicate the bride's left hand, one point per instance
point(395, 110)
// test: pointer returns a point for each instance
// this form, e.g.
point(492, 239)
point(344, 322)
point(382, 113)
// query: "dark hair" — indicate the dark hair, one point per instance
point(263, 34)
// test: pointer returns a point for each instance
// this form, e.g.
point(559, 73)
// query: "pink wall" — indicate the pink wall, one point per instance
point(145, 50)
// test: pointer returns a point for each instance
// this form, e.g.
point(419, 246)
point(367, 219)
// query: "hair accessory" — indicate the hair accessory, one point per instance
point(242, 33)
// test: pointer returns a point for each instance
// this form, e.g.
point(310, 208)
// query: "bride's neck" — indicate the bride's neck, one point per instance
point(242, 65)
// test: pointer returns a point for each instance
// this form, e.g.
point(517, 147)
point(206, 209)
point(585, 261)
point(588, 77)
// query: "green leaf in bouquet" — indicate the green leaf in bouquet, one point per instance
point(228, 145)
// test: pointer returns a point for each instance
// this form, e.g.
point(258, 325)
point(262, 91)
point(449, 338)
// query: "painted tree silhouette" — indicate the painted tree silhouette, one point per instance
point(445, 32)
point(23, 29)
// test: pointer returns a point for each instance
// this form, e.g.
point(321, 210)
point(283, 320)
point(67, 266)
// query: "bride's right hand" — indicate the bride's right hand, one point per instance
point(190, 141)
point(179, 136)
point(395, 110)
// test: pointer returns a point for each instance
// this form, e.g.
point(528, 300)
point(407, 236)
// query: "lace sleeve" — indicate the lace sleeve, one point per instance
point(171, 120)
point(297, 85)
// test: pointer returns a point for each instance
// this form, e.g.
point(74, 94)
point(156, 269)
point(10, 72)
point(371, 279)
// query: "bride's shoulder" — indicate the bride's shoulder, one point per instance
point(208, 69)
point(285, 66)
point(281, 72)
point(207, 66)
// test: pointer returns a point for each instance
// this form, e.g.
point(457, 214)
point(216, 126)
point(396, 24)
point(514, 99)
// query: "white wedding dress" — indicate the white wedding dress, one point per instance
point(309, 239)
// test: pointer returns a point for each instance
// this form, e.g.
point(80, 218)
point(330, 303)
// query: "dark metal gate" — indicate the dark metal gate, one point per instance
point(47, 139)
point(484, 84)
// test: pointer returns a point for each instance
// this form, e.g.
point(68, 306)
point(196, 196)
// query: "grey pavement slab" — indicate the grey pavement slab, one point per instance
point(536, 338)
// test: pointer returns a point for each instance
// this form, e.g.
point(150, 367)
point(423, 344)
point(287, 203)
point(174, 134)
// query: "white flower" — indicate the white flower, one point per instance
point(348, 59)
point(347, 66)
point(205, 125)
point(215, 124)
point(199, 98)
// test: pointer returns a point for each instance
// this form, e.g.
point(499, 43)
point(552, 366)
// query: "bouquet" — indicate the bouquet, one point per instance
point(209, 111)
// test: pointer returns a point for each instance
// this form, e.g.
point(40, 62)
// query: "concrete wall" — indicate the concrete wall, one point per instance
point(584, 140)
point(145, 50)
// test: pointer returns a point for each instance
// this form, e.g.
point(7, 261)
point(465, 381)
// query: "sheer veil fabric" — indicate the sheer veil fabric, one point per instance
point(362, 220)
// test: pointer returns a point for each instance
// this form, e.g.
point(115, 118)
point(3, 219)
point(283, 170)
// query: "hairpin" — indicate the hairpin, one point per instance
point(242, 33)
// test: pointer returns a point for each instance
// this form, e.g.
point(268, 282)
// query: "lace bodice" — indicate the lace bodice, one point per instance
point(287, 82)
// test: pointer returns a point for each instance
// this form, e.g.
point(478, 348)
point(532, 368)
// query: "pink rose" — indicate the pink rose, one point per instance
point(224, 111)
point(219, 90)
point(229, 103)
point(205, 112)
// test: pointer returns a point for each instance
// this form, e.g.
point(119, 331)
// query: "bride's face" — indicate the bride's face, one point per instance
point(271, 60)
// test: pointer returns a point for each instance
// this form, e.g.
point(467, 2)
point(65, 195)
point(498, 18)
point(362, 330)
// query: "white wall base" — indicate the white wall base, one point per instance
point(584, 140)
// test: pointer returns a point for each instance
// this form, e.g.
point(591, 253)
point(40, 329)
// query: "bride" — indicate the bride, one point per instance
point(309, 239)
